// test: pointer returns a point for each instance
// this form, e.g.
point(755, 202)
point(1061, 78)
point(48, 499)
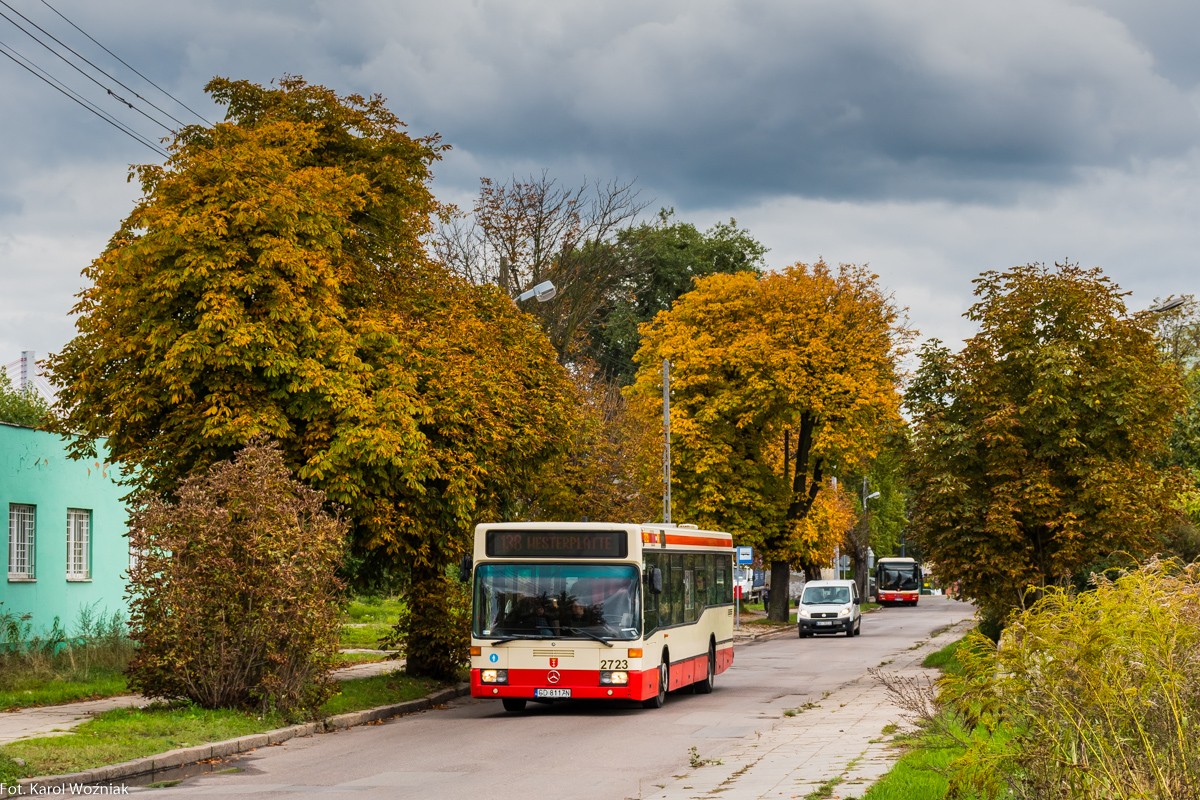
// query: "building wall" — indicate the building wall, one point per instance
point(35, 470)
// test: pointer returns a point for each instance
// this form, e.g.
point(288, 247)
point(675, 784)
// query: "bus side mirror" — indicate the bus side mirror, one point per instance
point(656, 581)
point(464, 569)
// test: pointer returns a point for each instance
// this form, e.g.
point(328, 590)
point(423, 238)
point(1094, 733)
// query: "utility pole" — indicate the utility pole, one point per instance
point(666, 379)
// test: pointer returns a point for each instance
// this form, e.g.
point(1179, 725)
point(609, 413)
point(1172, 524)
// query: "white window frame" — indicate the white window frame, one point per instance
point(22, 542)
point(79, 544)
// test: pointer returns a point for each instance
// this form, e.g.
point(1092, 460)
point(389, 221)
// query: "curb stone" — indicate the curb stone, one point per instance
point(243, 744)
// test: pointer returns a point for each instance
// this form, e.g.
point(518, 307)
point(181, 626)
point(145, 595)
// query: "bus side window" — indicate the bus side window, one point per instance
point(712, 596)
point(726, 568)
point(676, 588)
point(689, 588)
point(649, 599)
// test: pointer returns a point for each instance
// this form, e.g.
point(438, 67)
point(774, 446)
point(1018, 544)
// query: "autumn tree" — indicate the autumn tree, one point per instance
point(273, 281)
point(611, 467)
point(1035, 445)
point(777, 382)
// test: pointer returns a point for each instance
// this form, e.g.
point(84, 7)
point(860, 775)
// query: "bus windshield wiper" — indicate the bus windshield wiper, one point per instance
point(600, 639)
point(514, 638)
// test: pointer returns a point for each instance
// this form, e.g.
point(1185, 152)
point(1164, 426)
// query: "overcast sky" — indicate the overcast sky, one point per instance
point(932, 140)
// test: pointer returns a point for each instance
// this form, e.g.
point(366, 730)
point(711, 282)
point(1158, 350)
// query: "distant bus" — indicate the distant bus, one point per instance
point(897, 580)
point(600, 611)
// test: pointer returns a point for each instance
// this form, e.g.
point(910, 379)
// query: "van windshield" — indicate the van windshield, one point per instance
point(825, 595)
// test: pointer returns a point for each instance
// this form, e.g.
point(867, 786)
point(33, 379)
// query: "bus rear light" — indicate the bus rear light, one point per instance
point(635, 652)
point(493, 676)
point(476, 651)
point(612, 678)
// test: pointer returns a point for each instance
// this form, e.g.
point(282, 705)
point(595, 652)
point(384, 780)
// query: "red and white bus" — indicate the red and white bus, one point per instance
point(597, 610)
point(898, 580)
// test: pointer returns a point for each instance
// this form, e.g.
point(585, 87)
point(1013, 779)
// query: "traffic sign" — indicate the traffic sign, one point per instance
point(745, 555)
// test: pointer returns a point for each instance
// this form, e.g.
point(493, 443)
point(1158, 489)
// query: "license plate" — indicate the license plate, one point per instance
point(551, 692)
point(824, 623)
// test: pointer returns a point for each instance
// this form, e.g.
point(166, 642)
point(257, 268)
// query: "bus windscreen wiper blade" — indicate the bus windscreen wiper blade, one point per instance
point(600, 639)
point(507, 639)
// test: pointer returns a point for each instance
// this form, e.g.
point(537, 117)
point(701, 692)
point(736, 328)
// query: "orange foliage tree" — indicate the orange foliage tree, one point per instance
point(806, 356)
point(273, 281)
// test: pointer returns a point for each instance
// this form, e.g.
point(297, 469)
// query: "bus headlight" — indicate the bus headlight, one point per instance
point(611, 678)
point(494, 676)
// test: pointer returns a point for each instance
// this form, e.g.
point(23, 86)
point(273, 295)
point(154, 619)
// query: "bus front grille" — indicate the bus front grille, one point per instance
point(554, 653)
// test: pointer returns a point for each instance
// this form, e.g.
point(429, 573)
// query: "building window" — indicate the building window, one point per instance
point(21, 537)
point(79, 544)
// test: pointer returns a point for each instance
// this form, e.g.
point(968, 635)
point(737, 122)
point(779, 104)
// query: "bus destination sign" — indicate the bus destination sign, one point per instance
point(557, 544)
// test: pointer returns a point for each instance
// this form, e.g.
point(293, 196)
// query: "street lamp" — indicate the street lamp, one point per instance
point(544, 292)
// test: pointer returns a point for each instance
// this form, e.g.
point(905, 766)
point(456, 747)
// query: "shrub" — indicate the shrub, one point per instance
point(1090, 694)
point(235, 600)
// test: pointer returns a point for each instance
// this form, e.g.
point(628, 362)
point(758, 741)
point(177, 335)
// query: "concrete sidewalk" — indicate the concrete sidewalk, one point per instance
point(28, 723)
point(836, 744)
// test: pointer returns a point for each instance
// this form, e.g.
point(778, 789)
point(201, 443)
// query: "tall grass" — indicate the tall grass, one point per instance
point(1088, 695)
point(41, 667)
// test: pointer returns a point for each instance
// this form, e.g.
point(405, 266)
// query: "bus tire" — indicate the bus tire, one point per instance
point(706, 686)
point(513, 703)
point(664, 679)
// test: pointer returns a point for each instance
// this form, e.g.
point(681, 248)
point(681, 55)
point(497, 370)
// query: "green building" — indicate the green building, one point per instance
point(66, 530)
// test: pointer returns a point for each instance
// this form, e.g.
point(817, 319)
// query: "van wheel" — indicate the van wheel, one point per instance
point(513, 703)
point(664, 677)
point(858, 627)
point(706, 686)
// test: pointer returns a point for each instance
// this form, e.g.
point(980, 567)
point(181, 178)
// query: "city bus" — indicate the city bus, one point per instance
point(598, 611)
point(897, 580)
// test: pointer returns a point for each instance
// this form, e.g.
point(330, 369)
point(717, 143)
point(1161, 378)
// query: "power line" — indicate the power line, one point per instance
point(89, 63)
point(135, 72)
point(37, 71)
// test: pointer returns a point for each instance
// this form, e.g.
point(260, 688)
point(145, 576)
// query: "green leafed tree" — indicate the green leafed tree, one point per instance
point(21, 406)
point(1035, 445)
point(665, 258)
point(273, 281)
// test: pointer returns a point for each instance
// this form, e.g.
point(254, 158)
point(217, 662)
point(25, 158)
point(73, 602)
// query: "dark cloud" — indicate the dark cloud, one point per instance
point(977, 128)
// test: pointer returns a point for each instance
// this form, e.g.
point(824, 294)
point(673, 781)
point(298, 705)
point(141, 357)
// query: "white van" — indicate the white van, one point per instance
point(829, 607)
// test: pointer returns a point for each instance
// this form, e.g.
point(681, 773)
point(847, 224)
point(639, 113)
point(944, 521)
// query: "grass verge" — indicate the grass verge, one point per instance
point(128, 733)
point(367, 619)
point(35, 690)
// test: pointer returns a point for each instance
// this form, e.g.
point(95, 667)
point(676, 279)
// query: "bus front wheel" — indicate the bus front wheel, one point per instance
point(664, 677)
point(513, 703)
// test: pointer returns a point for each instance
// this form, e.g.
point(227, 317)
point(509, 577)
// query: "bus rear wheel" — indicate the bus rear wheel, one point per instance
point(664, 677)
point(706, 686)
point(513, 703)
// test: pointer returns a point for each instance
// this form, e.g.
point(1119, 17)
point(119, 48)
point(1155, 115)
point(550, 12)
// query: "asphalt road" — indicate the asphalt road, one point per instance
point(574, 750)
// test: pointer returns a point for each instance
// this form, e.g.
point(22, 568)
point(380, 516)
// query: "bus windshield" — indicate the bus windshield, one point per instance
point(571, 601)
point(898, 578)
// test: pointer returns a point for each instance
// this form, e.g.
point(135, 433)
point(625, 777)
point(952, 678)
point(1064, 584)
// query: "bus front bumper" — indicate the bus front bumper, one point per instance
point(898, 597)
point(582, 684)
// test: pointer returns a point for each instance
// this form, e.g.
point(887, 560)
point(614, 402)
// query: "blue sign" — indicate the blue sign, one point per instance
point(745, 555)
point(494, 657)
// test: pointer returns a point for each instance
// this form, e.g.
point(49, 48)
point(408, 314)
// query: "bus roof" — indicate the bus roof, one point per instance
point(653, 535)
point(895, 560)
